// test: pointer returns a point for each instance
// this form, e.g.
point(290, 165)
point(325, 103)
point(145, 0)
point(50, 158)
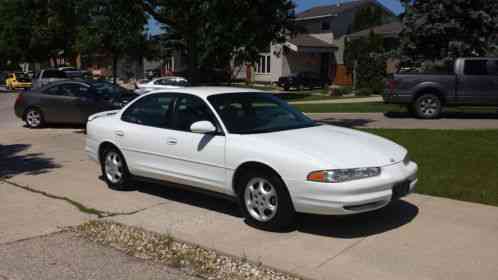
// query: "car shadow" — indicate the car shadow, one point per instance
point(80, 128)
point(13, 163)
point(447, 115)
point(393, 216)
point(186, 196)
point(347, 122)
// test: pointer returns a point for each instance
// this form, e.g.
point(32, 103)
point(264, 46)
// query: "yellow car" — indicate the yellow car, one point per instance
point(18, 80)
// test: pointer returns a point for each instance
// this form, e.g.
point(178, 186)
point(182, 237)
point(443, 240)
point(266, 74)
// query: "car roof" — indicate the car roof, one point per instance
point(206, 91)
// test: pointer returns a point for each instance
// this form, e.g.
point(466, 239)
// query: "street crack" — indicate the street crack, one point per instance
point(78, 205)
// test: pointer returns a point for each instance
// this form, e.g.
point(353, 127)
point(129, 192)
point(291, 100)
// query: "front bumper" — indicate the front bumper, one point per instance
point(352, 197)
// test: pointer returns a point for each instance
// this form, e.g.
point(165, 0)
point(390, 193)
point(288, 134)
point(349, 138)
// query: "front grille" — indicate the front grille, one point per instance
point(366, 206)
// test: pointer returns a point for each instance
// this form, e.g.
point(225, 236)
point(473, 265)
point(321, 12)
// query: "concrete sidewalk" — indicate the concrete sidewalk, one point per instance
point(420, 238)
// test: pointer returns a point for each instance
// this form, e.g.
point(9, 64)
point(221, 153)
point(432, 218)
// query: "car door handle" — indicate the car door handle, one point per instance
point(171, 141)
point(119, 133)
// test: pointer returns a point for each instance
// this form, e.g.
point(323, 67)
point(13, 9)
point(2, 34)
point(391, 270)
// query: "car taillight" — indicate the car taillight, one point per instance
point(391, 85)
point(19, 99)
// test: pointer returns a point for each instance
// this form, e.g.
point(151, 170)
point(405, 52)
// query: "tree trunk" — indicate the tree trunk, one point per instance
point(114, 68)
point(193, 63)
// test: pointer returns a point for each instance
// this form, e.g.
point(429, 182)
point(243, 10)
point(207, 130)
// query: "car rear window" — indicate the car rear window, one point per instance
point(476, 67)
point(54, 74)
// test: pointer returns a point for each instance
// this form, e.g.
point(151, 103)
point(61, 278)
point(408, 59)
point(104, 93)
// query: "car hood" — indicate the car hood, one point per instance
point(335, 147)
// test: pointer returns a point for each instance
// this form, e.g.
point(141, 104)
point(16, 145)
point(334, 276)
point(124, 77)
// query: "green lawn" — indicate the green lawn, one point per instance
point(457, 164)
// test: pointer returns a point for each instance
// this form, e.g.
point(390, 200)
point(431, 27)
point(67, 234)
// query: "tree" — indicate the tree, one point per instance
point(368, 16)
point(114, 27)
point(37, 30)
point(447, 29)
point(367, 57)
point(212, 33)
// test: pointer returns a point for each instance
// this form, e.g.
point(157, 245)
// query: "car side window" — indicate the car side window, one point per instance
point(476, 67)
point(152, 110)
point(190, 109)
point(73, 90)
point(52, 91)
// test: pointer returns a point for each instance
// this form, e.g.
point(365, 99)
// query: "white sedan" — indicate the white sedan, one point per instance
point(252, 147)
point(170, 82)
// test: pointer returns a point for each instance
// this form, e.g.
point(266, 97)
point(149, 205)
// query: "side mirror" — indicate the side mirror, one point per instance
point(203, 127)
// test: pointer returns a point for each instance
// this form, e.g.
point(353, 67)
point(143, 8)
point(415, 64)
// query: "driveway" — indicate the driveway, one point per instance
point(49, 183)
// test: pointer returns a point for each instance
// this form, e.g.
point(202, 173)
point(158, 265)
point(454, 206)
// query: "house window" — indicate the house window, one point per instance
point(263, 66)
point(325, 25)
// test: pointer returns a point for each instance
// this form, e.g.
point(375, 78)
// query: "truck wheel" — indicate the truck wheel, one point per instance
point(428, 106)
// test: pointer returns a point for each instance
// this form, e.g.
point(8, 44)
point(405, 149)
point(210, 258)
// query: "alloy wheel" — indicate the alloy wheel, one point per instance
point(261, 199)
point(113, 167)
point(429, 106)
point(34, 118)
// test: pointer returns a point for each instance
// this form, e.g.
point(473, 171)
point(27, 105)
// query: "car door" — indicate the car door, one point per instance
point(478, 85)
point(142, 134)
point(199, 158)
point(57, 105)
point(494, 71)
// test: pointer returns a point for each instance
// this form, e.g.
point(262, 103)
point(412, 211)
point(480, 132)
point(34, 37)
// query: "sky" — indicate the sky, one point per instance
point(301, 5)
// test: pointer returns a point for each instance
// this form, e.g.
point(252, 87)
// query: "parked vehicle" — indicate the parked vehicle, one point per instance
point(47, 76)
point(302, 80)
point(18, 80)
point(3, 78)
point(145, 86)
point(252, 147)
point(69, 102)
point(472, 81)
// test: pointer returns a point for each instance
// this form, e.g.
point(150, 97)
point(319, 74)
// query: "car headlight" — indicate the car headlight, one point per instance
point(343, 175)
point(406, 159)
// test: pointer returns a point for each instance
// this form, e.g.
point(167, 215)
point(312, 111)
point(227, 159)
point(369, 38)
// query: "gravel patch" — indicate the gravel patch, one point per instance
point(190, 259)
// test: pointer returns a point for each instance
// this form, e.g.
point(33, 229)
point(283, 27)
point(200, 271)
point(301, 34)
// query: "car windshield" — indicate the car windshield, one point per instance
point(246, 113)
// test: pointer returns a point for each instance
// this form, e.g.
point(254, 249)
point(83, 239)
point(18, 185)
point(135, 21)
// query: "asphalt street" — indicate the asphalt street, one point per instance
point(44, 170)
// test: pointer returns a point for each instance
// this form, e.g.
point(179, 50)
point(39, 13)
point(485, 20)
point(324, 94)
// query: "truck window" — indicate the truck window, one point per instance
point(476, 67)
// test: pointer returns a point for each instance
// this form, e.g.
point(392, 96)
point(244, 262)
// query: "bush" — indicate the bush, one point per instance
point(363, 92)
point(340, 91)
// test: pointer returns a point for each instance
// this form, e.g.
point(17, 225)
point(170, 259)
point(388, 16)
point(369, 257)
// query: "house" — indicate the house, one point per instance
point(320, 49)
point(390, 33)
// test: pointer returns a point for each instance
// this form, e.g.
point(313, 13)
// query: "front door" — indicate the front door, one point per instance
point(325, 67)
point(59, 105)
point(200, 158)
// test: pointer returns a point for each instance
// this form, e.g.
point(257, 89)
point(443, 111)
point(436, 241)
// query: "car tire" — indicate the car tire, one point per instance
point(265, 200)
point(114, 169)
point(34, 118)
point(428, 106)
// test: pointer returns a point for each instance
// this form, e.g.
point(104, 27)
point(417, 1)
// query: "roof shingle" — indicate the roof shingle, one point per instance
point(305, 40)
point(332, 9)
point(391, 29)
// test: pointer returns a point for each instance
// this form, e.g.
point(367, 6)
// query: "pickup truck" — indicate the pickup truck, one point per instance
point(47, 76)
point(472, 82)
